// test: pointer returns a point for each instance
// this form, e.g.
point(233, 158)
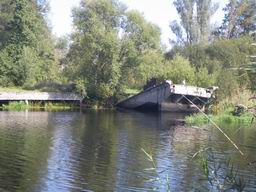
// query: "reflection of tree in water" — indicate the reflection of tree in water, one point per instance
point(101, 151)
point(111, 157)
point(60, 171)
point(97, 150)
point(24, 149)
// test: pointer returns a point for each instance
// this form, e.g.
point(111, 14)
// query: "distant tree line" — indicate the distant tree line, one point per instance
point(219, 55)
point(113, 49)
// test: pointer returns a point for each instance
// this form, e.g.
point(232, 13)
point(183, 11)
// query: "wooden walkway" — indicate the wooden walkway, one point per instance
point(39, 96)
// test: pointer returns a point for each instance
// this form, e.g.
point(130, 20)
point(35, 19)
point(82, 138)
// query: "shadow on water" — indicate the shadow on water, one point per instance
point(101, 151)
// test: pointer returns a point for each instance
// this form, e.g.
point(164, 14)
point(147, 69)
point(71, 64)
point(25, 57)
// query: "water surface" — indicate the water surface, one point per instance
point(101, 151)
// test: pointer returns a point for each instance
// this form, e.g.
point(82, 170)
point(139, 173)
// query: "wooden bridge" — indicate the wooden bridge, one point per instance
point(39, 96)
point(170, 97)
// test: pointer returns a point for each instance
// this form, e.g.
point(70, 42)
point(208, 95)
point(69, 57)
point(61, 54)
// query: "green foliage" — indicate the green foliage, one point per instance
point(180, 69)
point(228, 84)
point(140, 54)
point(17, 106)
point(194, 21)
point(221, 119)
point(49, 106)
point(112, 48)
point(94, 52)
point(5, 68)
point(239, 19)
point(26, 49)
point(217, 64)
point(204, 79)
point(131, 91)
point(142, 33)
point(151, 66)
point(52, 86)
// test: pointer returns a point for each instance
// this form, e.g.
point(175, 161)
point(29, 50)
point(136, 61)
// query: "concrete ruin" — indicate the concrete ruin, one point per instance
point(168, 96)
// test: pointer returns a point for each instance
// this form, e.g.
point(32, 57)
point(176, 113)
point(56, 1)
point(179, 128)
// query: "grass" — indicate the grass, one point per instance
point(229, 119)
point(17, 106)
point(21, 105)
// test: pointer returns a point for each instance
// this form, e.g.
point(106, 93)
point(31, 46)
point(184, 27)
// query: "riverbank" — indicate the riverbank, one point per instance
point(37, 106)
point(245, 119)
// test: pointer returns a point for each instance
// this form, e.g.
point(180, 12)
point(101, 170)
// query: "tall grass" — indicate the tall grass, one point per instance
point(227, 104)
point(153, 169)
point(226, 119)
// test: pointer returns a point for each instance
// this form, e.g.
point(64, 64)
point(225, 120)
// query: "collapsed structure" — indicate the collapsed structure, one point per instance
point(168, 96)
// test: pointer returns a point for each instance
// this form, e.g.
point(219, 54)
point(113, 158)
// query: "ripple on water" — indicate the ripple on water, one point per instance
point(101, 151)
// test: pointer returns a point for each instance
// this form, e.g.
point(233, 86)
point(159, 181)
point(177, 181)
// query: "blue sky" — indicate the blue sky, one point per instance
point(160, 12)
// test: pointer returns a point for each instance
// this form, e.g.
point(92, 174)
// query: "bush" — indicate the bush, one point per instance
point(18, 106)
point(179, 69)
point(51, 86)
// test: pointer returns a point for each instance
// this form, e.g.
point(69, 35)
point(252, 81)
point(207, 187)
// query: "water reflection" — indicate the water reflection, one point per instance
point(101, 151)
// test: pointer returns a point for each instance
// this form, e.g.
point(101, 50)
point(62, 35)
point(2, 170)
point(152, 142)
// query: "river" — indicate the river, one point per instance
point(102, 151)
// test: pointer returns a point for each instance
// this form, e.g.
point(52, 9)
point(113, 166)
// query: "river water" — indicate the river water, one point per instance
point(102, 151)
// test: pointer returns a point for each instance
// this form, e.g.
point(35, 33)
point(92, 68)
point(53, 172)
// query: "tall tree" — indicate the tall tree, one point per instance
point(195, 20)
point(6, 15)
point(95, 49)
point(140, 39)
point(240, 18)
point(28, 45)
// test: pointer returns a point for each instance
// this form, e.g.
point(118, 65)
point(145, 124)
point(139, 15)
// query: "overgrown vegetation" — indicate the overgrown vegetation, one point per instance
point(238, 109)
point(221, 119)
point(113, 49)
point(123, 50)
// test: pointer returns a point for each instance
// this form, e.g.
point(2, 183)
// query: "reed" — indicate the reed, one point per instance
point(222, 175)
point(153, 169)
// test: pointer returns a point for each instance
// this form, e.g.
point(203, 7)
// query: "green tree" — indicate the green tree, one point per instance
point(140, 38)
point(195, 20)
point(239, 19)
point(61, 49)
point(204, 79)
point(94, 52)
point(179, 69)
point(28, 45)
point(6, 15)
point(151, 66)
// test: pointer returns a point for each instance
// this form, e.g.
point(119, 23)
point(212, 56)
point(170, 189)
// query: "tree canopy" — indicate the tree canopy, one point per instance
point(26, 48)
point(110, 46)
point(194, 26)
